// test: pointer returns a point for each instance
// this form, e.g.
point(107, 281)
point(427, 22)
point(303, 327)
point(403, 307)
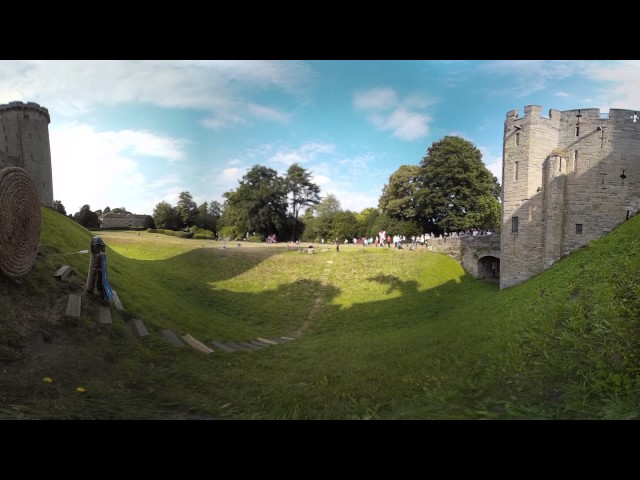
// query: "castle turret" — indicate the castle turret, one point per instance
point(24, 140)
point(567, 179)
point(527, 143)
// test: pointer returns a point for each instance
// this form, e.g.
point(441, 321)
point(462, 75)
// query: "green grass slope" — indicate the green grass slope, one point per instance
point(385, 334)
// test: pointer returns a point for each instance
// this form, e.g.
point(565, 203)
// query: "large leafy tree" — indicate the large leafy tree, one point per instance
point(456, 190)
point(187, 209)
point(86, 217)
point(328, 205)
point(399, 198)
point(302, 192)
point(259, 204)
point(165, 216)
point(59, 207)
point(119, 210)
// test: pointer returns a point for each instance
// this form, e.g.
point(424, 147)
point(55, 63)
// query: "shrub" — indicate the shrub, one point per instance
point(255, 238)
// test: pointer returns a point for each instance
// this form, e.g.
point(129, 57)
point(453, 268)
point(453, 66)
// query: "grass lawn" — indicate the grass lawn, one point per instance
point(382, 334)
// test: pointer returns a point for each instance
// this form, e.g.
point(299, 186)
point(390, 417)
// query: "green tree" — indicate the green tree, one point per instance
point(119, 210)
point(328, 205)
point(215, 209)
point(148, 222)
point(59, 207)
point(165, 216)
point(457, 191)
point(344, 225)
point(400, 196)
point(86, 217)
point(302, 192)
point(187, 209)
point(259, 204)
point(367, 220)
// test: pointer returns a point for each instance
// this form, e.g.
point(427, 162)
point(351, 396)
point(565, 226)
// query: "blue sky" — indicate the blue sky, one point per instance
point(133, 133)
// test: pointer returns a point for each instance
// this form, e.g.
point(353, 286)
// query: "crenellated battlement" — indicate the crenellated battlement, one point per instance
point(26, 106)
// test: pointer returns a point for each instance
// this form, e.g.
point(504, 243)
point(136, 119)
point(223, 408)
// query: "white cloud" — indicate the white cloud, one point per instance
point(528, 76)
point(561, 94)
point(268, 113)
point(321, 180)
point(492, 162)
point(403, 117)
point(92, 167)
point(376, 98)
point(304, 154)
point(221, 89)
point(232, 173)
point(622, 83)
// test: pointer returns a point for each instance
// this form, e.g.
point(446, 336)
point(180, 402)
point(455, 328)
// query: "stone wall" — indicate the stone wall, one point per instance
point(581, 180)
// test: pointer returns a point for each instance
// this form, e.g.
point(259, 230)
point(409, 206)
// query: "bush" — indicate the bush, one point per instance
point(255, 238)
point(200, 236)
point(172, 233)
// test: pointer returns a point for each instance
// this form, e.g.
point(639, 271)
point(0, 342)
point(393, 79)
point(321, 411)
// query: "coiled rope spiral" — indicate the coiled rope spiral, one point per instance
point(19, 222)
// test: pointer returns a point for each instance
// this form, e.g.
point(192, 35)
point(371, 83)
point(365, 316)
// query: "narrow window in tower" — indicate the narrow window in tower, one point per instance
point(515, 171)
point(575, 160)
point(514, 224)
point(578, 229)
point(29, 135)
point(43, 184)
point(577, 131)
point(517, 138)
point(6, 137)
point(559, 164)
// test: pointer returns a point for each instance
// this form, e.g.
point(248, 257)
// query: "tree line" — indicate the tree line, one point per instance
point(449, 190)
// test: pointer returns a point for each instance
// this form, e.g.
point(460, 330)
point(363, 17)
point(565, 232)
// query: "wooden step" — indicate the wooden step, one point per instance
point(140, 328)
point(269, 342)
point(116, 300)
point(197, 344)
point(73, 307)
point(104, 315)
point(259, 343)
point(237, 347)
point(172, 338)
point(221, 346)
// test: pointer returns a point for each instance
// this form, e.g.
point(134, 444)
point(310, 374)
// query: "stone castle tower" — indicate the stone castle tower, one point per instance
point(24, 142)
point(567, 179)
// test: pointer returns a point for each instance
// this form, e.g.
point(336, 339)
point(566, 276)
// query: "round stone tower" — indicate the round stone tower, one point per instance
point(24, 143)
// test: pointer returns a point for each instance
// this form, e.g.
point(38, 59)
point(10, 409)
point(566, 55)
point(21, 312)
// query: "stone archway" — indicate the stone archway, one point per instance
point(489, 268)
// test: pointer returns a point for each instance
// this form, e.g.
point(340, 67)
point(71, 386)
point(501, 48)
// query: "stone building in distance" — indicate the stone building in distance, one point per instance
point(567, 179)
point(24, 143)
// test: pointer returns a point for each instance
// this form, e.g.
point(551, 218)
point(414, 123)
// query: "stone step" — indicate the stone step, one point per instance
point(259, 344)
point(63, 272)
point(116, 300)
point(140, 328)
point(221, 346)
point(197, 344)
point(104, 315)
point(237, 347)
point(264, 340)
point(287, 339)
point(249, 346)
point(279, 340)
point(172, 338)
point(73, 307)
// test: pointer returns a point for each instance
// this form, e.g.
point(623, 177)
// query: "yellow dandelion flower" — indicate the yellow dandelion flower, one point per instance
point(47, 379)
point(81, 389)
